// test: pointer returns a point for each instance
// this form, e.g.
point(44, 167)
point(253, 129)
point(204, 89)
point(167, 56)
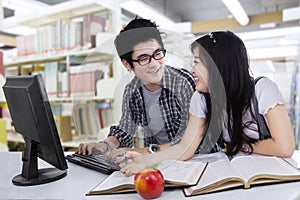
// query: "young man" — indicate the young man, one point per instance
point(155, 102)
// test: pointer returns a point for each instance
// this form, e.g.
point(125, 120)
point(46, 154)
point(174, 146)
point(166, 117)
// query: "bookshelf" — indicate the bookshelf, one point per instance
point(14, 137)
point(73, 48)
point(36, 59)
point(294, 111)
point(97, 99)
point(67, 10)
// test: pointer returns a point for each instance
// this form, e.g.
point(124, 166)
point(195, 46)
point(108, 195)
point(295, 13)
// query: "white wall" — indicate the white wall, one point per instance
point(281, 74)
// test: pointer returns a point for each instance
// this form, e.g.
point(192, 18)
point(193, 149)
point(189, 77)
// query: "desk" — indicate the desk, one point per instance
point(80, 180)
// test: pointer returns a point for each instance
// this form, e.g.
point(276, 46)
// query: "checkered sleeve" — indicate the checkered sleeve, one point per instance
point(126, 128)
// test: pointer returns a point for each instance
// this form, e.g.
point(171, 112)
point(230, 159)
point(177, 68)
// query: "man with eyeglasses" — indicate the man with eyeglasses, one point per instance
point(156, 102)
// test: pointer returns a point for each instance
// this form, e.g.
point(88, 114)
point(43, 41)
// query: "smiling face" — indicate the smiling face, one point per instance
point(150, 74)
point(199, 72)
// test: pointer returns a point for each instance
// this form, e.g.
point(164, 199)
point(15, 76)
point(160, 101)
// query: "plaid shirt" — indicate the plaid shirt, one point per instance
point(174, 101)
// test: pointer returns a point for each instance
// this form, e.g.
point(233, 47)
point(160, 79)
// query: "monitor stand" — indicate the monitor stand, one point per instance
point(31, 175)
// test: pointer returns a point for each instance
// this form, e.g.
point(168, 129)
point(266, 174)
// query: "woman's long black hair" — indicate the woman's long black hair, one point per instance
point(226, 59)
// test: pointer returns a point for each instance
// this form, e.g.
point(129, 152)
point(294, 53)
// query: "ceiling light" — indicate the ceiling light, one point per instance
point(24, 6)
point(291, 14)
point(273, 52)
point(267, 25)
point(237, 11)
point(272, 33)
point(142, 10)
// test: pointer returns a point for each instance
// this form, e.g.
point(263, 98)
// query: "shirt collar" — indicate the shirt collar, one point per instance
point(166, 82)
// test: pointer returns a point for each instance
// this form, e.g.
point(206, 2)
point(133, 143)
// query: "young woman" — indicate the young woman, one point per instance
point(222, 108)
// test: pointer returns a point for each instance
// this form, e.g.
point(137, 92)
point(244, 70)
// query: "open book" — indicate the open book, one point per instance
point(294, 160)
point(243, 171)
point(176, 174)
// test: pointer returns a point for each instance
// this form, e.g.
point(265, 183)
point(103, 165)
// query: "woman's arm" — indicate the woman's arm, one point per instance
point(184, 150)
point(282, 143)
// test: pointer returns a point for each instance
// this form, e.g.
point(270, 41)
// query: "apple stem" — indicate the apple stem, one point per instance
point(154, 166)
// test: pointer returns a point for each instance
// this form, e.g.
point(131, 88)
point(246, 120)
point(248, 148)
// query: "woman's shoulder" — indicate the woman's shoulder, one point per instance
point(198, 105)
point(198, 96)
point(264, 84)
point(267, 94)
point(263, 81)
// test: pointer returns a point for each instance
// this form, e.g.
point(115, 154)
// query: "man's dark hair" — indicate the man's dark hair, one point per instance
point(137, 31)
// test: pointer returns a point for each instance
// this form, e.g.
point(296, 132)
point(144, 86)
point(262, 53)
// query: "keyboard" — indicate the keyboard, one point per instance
point(96, 162)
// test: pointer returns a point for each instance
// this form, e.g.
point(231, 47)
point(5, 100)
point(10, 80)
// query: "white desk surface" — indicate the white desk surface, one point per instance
point(80, 180)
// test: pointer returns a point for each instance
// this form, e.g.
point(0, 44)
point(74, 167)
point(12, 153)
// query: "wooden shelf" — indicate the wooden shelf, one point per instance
point(92, 53)
point(8, 39)
point(16, 137)
point(66, 10)
point(96, 99)
point(74, 99)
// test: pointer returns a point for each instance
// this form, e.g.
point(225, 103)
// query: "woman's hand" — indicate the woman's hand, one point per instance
point(131, 162)
point(112, 156)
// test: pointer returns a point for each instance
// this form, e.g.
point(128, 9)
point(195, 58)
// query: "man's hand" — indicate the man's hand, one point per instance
point(108, 144)
point(88, 148)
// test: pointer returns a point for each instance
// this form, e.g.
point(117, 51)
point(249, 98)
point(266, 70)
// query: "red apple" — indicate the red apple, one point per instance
point(149, 183)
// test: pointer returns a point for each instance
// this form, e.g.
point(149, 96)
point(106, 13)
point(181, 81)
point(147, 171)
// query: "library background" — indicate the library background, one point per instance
point(70, 42)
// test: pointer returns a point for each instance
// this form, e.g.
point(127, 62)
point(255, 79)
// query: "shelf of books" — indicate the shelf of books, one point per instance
point(17, 139)
point(69, 50)
point(57, 56)
point(67, 10)
point(294, 110)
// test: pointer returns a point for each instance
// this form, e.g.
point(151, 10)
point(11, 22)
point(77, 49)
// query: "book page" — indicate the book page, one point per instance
point(181, 172)
point(252, 165)
point(217, 173)
point(211, 157)
point(294, 160)
point(115, 180)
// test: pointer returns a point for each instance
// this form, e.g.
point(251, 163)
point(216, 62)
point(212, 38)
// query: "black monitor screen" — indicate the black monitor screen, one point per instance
point(32, 117)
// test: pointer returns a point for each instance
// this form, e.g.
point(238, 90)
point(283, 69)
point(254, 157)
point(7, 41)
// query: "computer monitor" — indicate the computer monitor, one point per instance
point(32, 117)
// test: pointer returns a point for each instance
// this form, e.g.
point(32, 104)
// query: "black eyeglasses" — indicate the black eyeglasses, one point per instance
point(146, 59)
